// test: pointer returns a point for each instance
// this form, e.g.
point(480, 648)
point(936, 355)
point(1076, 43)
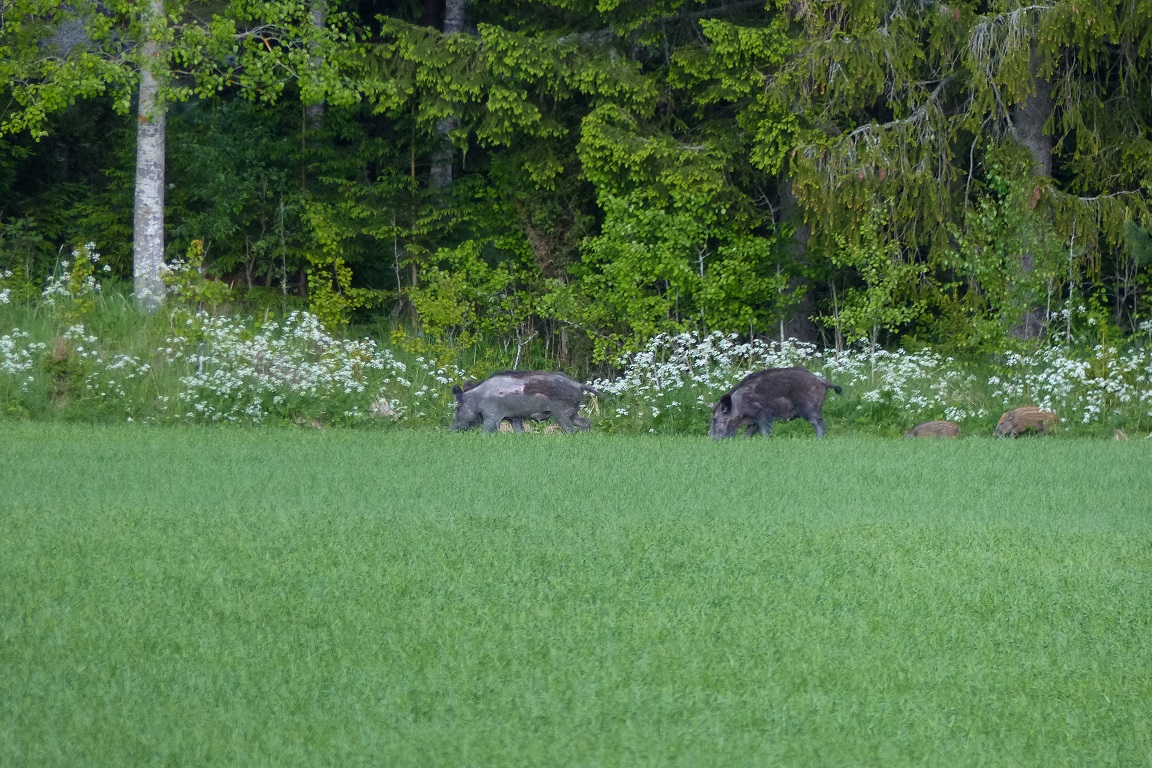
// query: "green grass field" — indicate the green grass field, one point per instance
point(277, 597)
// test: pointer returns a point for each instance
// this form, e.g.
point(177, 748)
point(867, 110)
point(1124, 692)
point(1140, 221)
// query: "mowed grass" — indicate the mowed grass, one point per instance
point(251, 597)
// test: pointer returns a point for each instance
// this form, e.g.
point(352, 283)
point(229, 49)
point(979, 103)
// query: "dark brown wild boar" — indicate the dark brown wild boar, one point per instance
point(939, 428)
point(777, 394)
point(1025, 419)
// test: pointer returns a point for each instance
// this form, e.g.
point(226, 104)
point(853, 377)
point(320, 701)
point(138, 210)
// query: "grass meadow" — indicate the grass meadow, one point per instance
point(208, 596)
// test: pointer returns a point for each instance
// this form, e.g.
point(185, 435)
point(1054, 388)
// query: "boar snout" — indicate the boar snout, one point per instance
point(723, 424)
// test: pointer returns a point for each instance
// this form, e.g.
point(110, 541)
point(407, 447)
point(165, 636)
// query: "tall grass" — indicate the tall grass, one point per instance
point(211, 596)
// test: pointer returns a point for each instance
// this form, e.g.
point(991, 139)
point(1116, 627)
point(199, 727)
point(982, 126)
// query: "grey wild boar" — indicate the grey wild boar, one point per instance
point(939, 428)
point(519, 395)
point(777, 394)
point(1025, 419)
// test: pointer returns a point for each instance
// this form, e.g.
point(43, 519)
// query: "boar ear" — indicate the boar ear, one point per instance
point(457, 391)
point(725, 403)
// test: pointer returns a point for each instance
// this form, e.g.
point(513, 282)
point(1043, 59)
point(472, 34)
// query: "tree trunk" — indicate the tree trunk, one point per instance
point(314, 112)
point(1028, 121)
point(454, 16)
point(148, 220)
point(797, 324)
point(440, 175)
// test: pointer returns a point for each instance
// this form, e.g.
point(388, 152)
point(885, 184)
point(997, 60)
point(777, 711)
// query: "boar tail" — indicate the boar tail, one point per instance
point(834, 387)
point(592, 391)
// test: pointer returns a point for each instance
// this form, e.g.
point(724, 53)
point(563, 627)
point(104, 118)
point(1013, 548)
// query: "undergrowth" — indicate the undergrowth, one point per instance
point(82, 351)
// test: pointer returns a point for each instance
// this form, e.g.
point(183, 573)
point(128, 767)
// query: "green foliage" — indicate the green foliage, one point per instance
point(501, 84)
point(734, 68)
point(618, 168)
point(887, 300)
point(1139, 243)
point(234, 169)
point(1002, 261)
point(74, 288)
point(462, 297)
point(23, 254)
point(259, 48)
point(66, 369)
point(189, 287)
point(69, 187)
point(331, 293)
point(680, 246)
point(331, 296)
point(38, 85)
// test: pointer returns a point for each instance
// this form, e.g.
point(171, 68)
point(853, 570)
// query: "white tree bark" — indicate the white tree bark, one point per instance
point(148, 221)
point(454, 16)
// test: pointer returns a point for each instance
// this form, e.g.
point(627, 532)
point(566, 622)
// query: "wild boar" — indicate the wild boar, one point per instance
point(516, 423)
point(934, 429)
point(1025, 419)
point(519, 395)
point(777, 394)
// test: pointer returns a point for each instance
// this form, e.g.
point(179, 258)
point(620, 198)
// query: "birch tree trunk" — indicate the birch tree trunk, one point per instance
point(454, 16)
point(148, 220)
point(440, 175)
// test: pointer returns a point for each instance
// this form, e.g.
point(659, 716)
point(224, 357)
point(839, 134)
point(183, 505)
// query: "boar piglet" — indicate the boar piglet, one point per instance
point(939, 428)
point(777, 394)
point(519, 395)
point(1025, 419)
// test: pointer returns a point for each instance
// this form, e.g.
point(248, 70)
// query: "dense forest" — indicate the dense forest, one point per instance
point(590, 174)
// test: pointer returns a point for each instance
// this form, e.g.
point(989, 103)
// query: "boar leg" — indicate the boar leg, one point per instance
point(492, 423)
point(517, 425)
point(750, 430)
point(818, 423)
point(764, 425)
